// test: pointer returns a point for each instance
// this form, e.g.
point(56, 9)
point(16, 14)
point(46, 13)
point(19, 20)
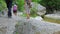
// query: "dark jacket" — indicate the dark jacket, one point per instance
point(9, 3)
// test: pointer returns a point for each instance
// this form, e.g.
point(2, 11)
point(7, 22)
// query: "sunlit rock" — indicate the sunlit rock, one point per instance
point(41, 10)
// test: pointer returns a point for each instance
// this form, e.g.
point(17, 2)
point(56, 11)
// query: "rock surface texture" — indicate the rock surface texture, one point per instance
point(41, 10)
point(33, 26)
point(7, 25)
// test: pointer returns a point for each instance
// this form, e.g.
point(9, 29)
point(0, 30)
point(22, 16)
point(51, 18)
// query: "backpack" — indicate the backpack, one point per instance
point(15, 7)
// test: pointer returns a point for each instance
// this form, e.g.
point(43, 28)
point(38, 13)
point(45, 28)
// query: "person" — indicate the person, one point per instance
point(27, 7)
point(9, 6)
point(15, 9)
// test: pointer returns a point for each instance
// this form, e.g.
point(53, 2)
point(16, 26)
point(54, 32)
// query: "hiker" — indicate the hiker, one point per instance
point(27, 7)
point(15, 9)
point(9, 6)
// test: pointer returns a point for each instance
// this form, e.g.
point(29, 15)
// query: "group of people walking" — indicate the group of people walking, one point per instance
point(27, 4)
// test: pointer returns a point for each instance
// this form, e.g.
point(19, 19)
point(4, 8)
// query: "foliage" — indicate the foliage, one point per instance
point(20, 4)
point(51, 19)
point(16, 32)
point(36, 1)
point(2, 5)
point(33, 12)
point(51, 4)
point(54, 3)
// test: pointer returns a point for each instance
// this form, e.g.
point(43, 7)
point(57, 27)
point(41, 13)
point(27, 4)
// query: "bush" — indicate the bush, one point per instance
point(2, 5)
point(20, 5)
point(33, 12)
point(36, 1)
point(50, 5)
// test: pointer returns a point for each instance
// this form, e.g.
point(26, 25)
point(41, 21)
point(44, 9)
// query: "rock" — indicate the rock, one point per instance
point(52, 18)
point(56, 12)
point(3, 29)
point(7, 25)
point(0, 14)
point(40, 9)
point(57, 32)
point(38, 18)
point(33, 26)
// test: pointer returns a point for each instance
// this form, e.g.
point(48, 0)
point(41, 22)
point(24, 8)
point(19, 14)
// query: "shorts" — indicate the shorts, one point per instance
point(14, 11)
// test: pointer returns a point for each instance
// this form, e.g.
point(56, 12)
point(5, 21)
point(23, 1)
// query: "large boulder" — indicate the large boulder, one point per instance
point(34, 26)
point(40, 9)
point(52, 18)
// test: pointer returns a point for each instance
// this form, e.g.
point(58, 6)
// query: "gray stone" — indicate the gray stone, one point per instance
point(7, 25)
point(41, 10)
point(58, 32)
point(56, 12)
point(53, 16)
point(3, 30)
point(33, 26)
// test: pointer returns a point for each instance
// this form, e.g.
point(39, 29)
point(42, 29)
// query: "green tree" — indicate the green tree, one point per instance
point(36, 1)
point(50, 5)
